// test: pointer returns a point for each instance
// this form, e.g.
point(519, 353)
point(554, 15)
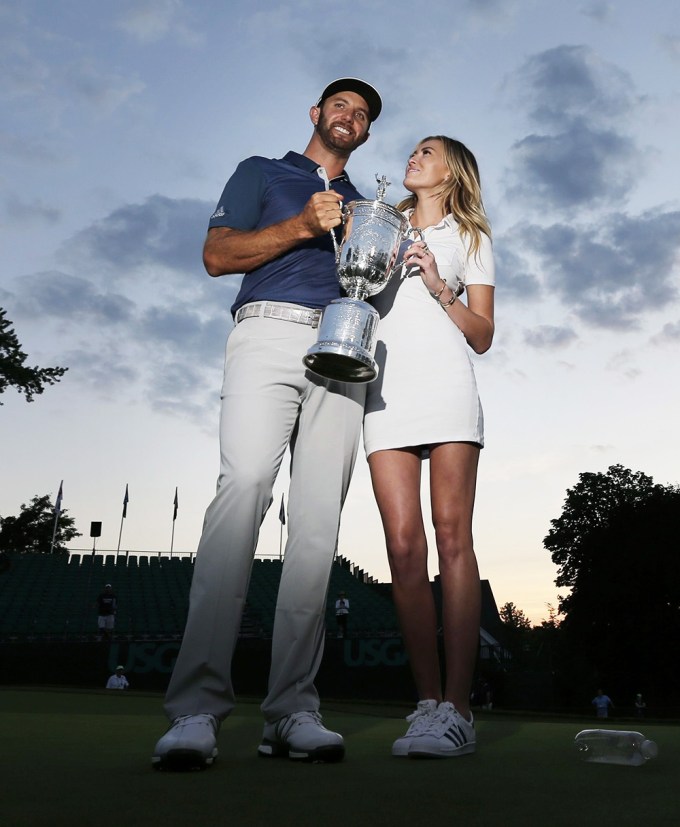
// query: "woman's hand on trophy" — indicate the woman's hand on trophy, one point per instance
point(322, 212)
point(420, 255)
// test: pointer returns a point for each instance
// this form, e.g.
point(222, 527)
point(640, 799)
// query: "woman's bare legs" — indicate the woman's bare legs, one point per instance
point(396, 483)
point(396, 477)
point(453, 479)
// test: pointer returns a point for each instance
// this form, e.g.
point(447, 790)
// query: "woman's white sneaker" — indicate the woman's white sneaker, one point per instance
point(419, 722)
point(448, 735)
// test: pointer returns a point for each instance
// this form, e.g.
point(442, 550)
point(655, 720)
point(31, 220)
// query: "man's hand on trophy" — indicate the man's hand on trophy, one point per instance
point(322, 212)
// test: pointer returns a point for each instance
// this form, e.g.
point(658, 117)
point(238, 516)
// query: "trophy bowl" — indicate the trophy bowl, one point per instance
point(345, 347)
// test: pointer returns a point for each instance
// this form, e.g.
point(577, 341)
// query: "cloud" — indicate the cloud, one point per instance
point(622, 363)
point(132, 345)
point(570, 83)
point(549, 337)
point(671, 45)
point(60, 296)
point(579, 166)
point(602, 449)
point(516, 279)
point(133, 309)
point(25, 213)
point(149, 21)
point(103, 90)
point(161, 231)
point(23, 72)
point(611, 268)
point(668, 335)
point(598, 10)
point(188, 334)
point(104, 370)
point(612, 272)
point(25, 149)
point(582, 156)
point(55, 72)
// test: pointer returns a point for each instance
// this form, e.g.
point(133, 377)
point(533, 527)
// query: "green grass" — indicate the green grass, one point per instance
point(80, 759)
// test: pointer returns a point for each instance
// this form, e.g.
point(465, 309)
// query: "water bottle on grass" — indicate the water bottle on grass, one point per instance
point(611, 746)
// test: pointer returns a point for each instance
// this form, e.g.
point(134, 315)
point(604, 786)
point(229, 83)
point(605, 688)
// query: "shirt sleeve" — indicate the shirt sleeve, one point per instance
point(480, 267)
point(239, 206)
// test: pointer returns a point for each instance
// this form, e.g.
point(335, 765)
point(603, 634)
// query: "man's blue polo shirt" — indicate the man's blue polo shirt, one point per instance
point(265, 191)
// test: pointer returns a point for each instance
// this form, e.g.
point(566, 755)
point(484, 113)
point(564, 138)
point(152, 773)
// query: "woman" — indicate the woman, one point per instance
point(425, 404)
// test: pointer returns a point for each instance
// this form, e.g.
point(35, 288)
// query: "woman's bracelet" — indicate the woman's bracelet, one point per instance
point(449, 302)
point(441, 290)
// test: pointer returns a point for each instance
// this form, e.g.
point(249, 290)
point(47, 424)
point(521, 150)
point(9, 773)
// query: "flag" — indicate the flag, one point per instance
point(126, 500)
point(57, 505)
point(282, 512)
point(176, 504)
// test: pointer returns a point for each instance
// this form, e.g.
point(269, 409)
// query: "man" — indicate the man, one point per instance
point(341, 613)
point(273, 223)
point(107, 605)
point(118, 679)
point(602, 704)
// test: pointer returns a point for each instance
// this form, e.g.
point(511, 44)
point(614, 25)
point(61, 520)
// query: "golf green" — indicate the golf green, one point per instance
point(83, 758)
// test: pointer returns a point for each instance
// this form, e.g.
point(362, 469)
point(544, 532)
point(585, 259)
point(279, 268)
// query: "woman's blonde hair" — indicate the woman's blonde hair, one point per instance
point(461, 192)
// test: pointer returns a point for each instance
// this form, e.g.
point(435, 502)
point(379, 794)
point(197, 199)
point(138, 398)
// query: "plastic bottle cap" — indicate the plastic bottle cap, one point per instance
point(649, 749)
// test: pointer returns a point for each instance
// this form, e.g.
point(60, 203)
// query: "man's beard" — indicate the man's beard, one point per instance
point(333, 141)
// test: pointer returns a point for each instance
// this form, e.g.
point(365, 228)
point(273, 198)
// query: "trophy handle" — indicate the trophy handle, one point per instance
point(345, 213)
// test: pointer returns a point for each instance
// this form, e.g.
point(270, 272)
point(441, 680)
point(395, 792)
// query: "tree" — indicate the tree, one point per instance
point(31, 531)
point(590, 505)
point(516, 633)
point(13, 372)
point(616, 546)
point(514, 618)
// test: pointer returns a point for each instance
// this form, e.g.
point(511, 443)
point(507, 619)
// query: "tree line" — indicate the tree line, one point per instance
point(616, 546)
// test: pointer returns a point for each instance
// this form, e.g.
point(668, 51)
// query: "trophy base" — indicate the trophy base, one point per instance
point(346, 342)
point(343, 367)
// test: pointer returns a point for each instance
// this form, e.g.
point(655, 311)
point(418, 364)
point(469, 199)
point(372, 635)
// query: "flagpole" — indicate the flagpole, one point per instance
point(123, 516)
point(54, 532)
point(57, 512)
point(120, 534)
point(174, 517)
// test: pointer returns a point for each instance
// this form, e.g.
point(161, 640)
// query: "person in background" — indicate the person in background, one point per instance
point(602, 704)
point(118, 679)
point(425, 405)
point(107, 605)
point(273, 223)
point(342, 613)
point(640, 706)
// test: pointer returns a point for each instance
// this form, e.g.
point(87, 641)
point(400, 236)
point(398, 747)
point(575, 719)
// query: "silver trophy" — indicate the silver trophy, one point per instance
point(365, 259)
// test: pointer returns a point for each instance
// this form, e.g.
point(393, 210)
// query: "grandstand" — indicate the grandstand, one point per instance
point(49, 635)
point(48, 597)
point(52, 597)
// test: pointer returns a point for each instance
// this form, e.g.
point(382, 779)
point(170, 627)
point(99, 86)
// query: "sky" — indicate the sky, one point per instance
point(120, 124)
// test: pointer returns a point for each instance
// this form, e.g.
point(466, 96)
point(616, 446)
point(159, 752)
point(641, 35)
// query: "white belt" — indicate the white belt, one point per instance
point(284, 312)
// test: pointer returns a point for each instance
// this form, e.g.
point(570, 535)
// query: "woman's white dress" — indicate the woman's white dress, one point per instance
point(426, 390)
